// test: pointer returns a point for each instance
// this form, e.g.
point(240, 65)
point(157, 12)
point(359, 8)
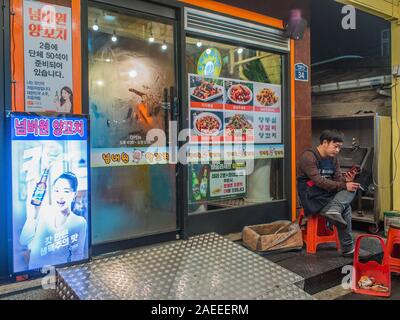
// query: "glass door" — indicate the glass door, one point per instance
point(131, 82)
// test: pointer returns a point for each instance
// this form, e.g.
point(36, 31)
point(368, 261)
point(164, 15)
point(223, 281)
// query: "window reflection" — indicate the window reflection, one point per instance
point(239, 89)
point(131, 66)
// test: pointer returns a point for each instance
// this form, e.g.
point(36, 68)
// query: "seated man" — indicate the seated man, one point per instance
point(324, 190)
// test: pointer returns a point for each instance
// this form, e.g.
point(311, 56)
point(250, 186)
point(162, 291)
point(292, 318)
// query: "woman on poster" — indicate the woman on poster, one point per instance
point(66, 100)
point(54, 233)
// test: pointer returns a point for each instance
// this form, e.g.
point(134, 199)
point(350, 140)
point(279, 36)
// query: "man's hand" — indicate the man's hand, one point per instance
point(352, 186)
point(349, 176)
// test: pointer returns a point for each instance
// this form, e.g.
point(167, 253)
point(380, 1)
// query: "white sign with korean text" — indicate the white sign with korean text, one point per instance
point(47, 57)
point(227, 183)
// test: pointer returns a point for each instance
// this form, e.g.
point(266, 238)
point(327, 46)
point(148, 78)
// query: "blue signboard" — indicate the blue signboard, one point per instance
point(50, 191)
point(46, 128)
point(301, 72)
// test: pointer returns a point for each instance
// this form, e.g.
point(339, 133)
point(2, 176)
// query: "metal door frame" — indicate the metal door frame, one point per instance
point(146, 10)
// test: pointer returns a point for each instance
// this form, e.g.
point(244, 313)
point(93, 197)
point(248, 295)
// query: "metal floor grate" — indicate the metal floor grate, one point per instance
point(205, 267)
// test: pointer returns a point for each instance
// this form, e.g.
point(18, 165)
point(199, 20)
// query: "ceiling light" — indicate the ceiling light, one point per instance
point(208, 51)
point(108, 60)
point(240, 50)
point(109, 17)
point(151, 39)
point(133, 73)
point(95, 26)
point(199, 44)
point(114, 37)
point(100, 82)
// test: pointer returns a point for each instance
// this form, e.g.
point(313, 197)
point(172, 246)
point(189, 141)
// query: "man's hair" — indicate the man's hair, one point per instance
point(331, 136)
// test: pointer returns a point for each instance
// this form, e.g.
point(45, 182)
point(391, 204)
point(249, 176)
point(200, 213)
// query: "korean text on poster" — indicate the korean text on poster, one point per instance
point(47, 57)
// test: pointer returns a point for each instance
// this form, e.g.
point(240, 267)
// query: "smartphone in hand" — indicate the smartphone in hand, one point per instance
point(355, 169)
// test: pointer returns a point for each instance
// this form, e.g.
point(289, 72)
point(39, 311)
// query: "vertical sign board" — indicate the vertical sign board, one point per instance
point(50, 191)
point(47, 57)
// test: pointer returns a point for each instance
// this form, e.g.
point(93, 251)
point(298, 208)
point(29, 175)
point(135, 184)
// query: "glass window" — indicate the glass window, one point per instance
point(235, 115)
point(131, 72)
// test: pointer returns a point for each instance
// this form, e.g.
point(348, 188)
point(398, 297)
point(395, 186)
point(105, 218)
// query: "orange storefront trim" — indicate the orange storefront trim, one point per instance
point(236, 12)
point(76, 56)
point(17, 56)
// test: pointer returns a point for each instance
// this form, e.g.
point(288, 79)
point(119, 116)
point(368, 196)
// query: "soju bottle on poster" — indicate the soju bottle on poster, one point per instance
point(195, 187)
point(40, 189)
point(204, 184)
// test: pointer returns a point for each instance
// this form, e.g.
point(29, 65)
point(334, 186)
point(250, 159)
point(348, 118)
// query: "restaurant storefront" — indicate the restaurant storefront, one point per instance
point(189, 106)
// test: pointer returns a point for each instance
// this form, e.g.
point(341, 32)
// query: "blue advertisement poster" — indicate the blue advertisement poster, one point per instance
point(50, 191)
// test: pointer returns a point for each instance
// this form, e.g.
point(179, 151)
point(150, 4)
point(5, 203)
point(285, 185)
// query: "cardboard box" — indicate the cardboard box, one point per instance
point(273, 236)
point(391, 217)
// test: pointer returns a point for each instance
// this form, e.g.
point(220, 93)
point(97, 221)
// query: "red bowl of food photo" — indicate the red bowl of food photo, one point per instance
point(240, 94)
point(207, 124)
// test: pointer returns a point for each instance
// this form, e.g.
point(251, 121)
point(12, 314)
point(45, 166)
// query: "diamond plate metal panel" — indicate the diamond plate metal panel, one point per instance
point(203, 267)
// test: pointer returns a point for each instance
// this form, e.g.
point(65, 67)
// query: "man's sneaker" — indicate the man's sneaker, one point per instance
point(362, 254)
point(335, 217)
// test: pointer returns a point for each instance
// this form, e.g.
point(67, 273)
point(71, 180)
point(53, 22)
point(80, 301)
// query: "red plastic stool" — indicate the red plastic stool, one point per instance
point(393, 248)
point(317, 232)
point(380, 272)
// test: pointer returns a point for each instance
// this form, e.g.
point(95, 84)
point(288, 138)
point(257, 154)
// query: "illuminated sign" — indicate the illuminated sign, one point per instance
point(209, 63)
point(50, 191)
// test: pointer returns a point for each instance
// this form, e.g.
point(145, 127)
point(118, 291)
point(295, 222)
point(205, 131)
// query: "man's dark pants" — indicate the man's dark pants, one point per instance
point(341, 203)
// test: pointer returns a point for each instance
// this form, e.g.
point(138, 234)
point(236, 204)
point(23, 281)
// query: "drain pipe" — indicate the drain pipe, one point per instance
point(336, 59)
point(353, 84)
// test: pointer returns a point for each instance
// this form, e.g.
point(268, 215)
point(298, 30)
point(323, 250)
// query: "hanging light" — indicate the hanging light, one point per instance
point(133, 73)
point(208, 51)
point(151, 39)
point(100, 83)
point(108, 60)
point(164, 46)
point(114, 37)
point(240, 50)
point(95, 26)
point(199, 44)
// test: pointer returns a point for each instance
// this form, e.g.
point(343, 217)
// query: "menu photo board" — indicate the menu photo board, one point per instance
point(47, 57)
point(49, 214)
point(226, 110)
point(217, 181)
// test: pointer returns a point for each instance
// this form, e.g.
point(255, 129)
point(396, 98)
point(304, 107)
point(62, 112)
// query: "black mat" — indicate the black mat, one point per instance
point(322, 270)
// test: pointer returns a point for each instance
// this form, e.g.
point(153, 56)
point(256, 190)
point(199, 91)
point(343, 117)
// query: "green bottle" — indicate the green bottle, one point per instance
point(195, 187)
point(204, 184)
